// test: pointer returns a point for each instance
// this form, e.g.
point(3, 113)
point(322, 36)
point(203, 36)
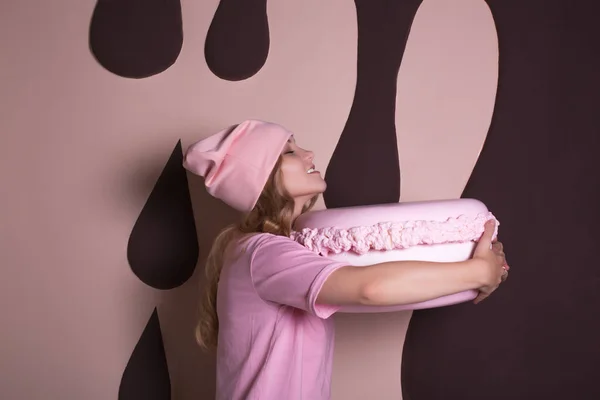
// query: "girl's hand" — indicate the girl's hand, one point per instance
point(493, 261)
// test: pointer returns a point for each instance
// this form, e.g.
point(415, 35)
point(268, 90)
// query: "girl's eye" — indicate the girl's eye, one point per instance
point(289, 152)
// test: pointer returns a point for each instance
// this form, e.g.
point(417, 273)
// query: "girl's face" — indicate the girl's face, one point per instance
point(300, 178)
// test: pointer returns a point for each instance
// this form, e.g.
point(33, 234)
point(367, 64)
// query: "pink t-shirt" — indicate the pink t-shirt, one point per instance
point(275, 343)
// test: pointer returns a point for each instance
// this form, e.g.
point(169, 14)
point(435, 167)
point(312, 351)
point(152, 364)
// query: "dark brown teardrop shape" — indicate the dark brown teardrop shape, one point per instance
point(163, 245)
point(136, 38)
point(237, 43)
point(146, 375)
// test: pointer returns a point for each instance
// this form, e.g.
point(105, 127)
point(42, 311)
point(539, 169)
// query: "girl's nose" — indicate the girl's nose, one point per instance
point(309, 155)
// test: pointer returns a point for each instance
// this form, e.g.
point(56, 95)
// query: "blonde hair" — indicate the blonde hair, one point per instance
point(273, 213)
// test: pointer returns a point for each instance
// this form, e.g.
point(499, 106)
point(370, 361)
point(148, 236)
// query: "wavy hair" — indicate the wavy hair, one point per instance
point(273, 213)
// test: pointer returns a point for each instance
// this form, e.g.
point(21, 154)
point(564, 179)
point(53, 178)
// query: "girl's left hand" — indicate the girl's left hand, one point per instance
point(498, 249)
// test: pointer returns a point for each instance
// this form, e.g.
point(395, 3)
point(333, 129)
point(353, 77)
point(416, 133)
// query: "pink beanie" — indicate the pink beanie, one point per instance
point(236, 162)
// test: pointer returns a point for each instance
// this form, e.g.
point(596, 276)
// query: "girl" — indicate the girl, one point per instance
point(268, 299)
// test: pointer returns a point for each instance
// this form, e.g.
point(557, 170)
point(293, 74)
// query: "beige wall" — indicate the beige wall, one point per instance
point(80, 150)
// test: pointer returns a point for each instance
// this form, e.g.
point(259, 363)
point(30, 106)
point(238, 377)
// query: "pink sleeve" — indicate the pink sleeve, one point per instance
point(285, 272)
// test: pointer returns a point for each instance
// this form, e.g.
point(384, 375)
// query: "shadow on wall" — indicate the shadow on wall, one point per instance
point(171, 236)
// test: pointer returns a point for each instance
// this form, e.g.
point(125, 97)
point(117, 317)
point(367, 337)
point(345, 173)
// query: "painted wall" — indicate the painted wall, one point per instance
point(538, 337)
point(103, 234)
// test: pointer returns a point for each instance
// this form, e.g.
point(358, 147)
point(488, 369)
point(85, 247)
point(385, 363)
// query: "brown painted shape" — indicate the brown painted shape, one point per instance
point(364, 167)
point(163, 246)
point(146, 375)
point(237, 42)
point(136, 38)
point(537, 336)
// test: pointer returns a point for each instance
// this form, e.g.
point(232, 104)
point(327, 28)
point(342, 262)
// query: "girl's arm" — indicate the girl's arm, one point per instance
point(404, 282)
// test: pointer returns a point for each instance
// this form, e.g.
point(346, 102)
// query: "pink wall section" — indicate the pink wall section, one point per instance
point(81, 148)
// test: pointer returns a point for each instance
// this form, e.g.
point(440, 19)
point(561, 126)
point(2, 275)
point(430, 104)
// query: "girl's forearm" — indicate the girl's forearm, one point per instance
point(403, 282)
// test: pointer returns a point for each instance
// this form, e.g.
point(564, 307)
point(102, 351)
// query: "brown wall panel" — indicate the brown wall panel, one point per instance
point(537, 336)
point(364, 168)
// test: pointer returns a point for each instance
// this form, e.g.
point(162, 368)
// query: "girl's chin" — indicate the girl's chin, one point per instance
point(322, 189)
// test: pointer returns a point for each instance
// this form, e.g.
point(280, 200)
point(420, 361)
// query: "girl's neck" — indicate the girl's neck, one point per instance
point(297, 211)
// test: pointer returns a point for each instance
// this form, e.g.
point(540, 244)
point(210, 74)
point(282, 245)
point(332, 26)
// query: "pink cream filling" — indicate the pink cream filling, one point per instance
point(393, 235)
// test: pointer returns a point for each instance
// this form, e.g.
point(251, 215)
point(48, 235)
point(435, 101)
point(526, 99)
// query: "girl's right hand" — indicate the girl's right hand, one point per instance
point(493, 262)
